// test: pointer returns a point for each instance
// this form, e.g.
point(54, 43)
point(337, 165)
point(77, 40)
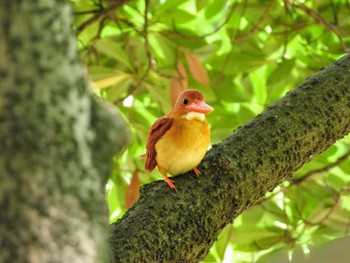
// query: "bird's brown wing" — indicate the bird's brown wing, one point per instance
point(158, 129)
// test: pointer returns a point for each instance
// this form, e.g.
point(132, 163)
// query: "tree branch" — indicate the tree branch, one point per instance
point(56, 141)
point(181, 226)
point(319, 20)
point(102, 13)
point(150, 59)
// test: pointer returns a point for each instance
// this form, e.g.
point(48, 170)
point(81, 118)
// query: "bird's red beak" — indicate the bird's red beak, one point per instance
point(200, 107)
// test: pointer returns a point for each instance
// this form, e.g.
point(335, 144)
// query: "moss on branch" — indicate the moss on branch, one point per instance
point(182, 225)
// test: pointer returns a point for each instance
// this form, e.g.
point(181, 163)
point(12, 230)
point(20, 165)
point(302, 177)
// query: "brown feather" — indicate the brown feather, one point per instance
point(158, 129)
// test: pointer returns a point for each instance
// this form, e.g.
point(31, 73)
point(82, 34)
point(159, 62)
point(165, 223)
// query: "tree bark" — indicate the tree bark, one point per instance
point(56, 141)
point(181, 226)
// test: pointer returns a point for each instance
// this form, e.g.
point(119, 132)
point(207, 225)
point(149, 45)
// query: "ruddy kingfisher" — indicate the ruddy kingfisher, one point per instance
point(178, 141)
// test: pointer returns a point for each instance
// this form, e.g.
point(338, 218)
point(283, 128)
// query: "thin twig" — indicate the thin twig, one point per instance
point(145, 32)
point(297, 181)
point(101, 14)
point(134, 88)
point(327, 215)
point(93, 11)
point(286, 34)
point(321, 170)
point(151, 61)
point(256, 25)
point(335, 8)
point(319, 20)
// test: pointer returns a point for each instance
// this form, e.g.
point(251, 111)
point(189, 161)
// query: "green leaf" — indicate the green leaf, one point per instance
point(238, 62)
point(253, 216)
point(162, 48)
point(345, 166)
point(321, 211)
point(118, 90)
point(257, 79)
point(200, 4)
point(224, 240)
point(276, 255)
point(176, 16)
point(214, 8)
point(162, 96)
point(168, 6)
point(282, 69)
point(245, 114)
point(114, 51)
point(206, 51)
point(104, 80)
point(230, 92)
point(251, 234)
point(114, 196)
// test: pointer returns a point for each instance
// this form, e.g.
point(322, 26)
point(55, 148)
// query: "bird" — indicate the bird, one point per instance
point(178, 141)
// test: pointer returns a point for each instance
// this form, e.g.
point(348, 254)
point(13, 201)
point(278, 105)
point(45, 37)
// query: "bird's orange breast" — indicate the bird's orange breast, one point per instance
point(183, 146)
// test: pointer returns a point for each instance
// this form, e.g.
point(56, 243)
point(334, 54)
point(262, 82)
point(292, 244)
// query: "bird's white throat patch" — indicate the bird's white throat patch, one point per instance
point(194, 116)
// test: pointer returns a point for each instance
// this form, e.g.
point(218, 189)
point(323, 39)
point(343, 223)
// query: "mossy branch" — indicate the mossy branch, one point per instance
point(181, 226)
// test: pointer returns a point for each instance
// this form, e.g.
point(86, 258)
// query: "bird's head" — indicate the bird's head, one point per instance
point(190, 105)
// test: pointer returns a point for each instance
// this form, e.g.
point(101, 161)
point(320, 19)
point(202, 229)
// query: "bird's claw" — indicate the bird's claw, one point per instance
point(170, 182)
point(196, 171)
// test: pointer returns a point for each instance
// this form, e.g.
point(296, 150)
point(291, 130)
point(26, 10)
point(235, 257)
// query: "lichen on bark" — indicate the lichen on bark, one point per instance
point(54, 136)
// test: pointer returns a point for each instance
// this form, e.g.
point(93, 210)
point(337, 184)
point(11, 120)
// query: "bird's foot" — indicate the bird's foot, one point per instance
point(196, 171)
point(170, 182)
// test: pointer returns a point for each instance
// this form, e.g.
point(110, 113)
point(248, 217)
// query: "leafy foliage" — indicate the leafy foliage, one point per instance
point(243, 55)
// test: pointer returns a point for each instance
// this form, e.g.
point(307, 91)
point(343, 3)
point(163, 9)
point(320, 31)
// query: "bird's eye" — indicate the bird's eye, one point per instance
point(185, 101)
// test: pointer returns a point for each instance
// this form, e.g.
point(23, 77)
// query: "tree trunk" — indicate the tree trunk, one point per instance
point(56, 141)
point(181, 226)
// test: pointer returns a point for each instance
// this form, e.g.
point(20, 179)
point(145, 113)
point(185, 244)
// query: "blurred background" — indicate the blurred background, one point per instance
point(243, 55)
